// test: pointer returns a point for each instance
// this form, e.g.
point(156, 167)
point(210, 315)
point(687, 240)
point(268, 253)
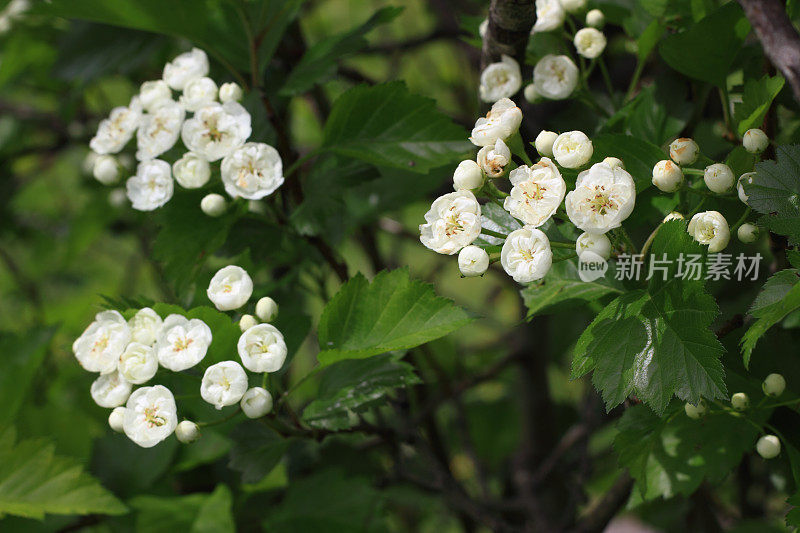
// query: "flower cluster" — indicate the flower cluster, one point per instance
point(211, 125)
point(128, 353)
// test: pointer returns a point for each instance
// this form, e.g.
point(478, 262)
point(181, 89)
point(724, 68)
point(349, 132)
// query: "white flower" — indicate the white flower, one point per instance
point(159, 130)
point(256, 402)
point(537, 192)
point(114, 132)
point(593, 242)
point(453, 221)
point(711, 228)
point(472, 261)
point(154, 93)
point(595, 18)
point(740, 401)
point(500, 80)
point(589, 42)
point(493, 159)
point(116, 419)
point(138, 363)
point(667, 176)
point(549, 15)
point(467, 176)
point(602, 199)
point(695, 412)
point(191, 171)
point(530, 93)
point(230, 288)
point(755, 141)
point(747, 233)
point(544, 142)
point(555, 77)
point(152, 186)
point(187, 432)
point(106, 169)
point(252, 171)
point(573, 6)
point(718, 177)
point(182, 343)
point(150, 415)
point(223, 384)
point(216, 130)
point(145, 326)
point(266, 309)
point(262, 348)
point(198, 93)
point(746, 178)
point(684, 151)
point(614, 162)
point(110, 390)
point(572, 149)
point(230, 92)
point(483, 28)
point(501, 122)
point(213, 204)
point(247, 322)
point(99, 347)
point(185, 68)
point(526, 254)
point(773, 385)
point(768, 446)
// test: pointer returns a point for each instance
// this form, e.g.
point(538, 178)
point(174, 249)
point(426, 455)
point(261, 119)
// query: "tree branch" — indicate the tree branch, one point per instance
point(510, 23)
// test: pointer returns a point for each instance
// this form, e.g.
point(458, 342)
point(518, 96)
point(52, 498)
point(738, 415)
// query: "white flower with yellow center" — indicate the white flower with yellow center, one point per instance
point(537, 192)
point(555, 77)
point(572, 149)
point(185, 68)
point(150, 415)
point(138, 363)
point(216, 130)
point(159, 130)
point(182, 343)
point(262, 348)
point(99, 347)
point(549, 15)
point(493, 159)
point(589, 42)
point(223, 384)
point(152, 186)
point(592, 242)
point(526, 254)
point(230, 288)
point(603, 198)
point(501, 122)
point(453, 221)
point(252, 171)
point(114, 132)
point(500, 80)
point(110, 390)
point(711, 228)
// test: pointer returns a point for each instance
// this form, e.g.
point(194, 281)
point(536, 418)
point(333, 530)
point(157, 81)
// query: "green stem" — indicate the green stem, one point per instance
point(650, 240)
point(741, 220)
point(221, 420)
point(567, 258)
point(297, 164)
point(782, 404)
point(726, 109)
point(556, 244)
point(494, 233)
point(492, 190)
point(696, 209)
point(637, 73)
point(695, 171)
point(607, 80)
point(627, 239)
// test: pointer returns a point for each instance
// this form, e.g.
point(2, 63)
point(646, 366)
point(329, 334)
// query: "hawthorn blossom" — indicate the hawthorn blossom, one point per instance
point(603, 198)
point(501, 122)
point(537, 192)
point(185, 68)
point(555, 77)
point(159, 130)
point(216, 130)
point(710, 228)
point(262, 348)
point(110, 390)
point(252, 171)
point(150, 415)
point(152, 186)
point(182, 342)
point(453, 221)
point(230, 288)
point(500, 80)
point(223, 384)
point(138, 363)
point(99, 347)
point(526, 254)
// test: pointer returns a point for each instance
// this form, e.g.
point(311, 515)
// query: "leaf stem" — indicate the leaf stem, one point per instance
point(607, 80)
point(494, 233)
point(221, 420)
point(741, 220)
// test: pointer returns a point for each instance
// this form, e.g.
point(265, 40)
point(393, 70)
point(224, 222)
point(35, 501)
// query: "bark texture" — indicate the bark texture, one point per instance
point(510, 23)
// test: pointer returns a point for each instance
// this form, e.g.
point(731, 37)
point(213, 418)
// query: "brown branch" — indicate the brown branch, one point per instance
point(599, 514)
point(510, 23)
point(731, 325)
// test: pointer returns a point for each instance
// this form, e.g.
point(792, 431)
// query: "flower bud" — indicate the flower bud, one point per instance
point(493, 159)
point(191, 171)
point(595, 18)
point(468, 175)
point(747, 233)
point(746, 178)
point(187, 432)
point(773, 385)
point(673, 216)
point(695, 411)
point(572, 149)
point(589, 42)
point(573, 6)
point(106, 169)
point(684, 151)
point(247, 322)
point(256, 402)
point(530, 94)
point(755, 141)
point(768, 446)
point(472, 261)
point(154, 93)
point(267, 309)
point(230, 288)
point(544, 142)
point(230, 92)
point(116, 419)
point(614, 162)
point(597, 243)
point(740, 401)
point(718, 177)
point(710, 228)
point(213, 205)
point(667, 176)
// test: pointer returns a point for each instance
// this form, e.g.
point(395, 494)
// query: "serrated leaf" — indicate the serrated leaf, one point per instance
point(394, 312)
point(775, 192)
point(638, 155)
point(779, 297)
point(656, 342)
point(756, 100)
point(34, 482)
point(386, 125)
point(350, 386)
point(196, 513)
point(256, 450)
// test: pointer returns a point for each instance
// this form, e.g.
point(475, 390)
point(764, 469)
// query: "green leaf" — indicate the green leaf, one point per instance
point(656, 342)
point(775, 192)
point(34, 481)
point(393, 312)
point(648, 40)
point(793, 516)
point(756, 100)
point(351, 386)
point(658, 116)
point(638, 155)
point(387, 125)
point(22, 357)
point(707, 49)
point(779, 297)
point(196, 513)
point(495, 218)
point(321, 60)
point(256, 450)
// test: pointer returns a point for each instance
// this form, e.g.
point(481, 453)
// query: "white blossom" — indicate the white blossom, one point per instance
point(530, 93)
point(549, 15)
point(572, 149)
point(266, 309)
point(667, 176)
point(695, 412)
point(684, 151)
point(603, 198)
point(198, 93)
point(711, 228)
point(114, 132)
point(755, 141)
point(500, 80)
point(740, 401)
point(216, 130)
point(252, 171)
point(256, 402)
point(154, 93)
point(537, 192)
point(544, 142)
point(187, 432)
point(185, 68)
point(262, 348)
point(230, 92)
point(614, 162)
point(223, 384)
point(468, 175)
point(746, 178)
point(589, 42)
point(718, 177)
point(768, 446)
point(493, 159)
point(501, 122)
point(595, 18)
point(152, 186)
point(453, 221)
point(593, 242)
point(159, 130)
point(247, 322)
point(150, 415)
point(230, 288)
point(138, 363)
point(191, 171)
point(472, 261)
point(106, 169)
point(99, 347)
point(116, 419)
point(145, 326)
point(213, 205)
point(773, 385)
point(182, 342)
point(526, 254)
point(573, 6)
point(555, 77)
point(110, 390)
